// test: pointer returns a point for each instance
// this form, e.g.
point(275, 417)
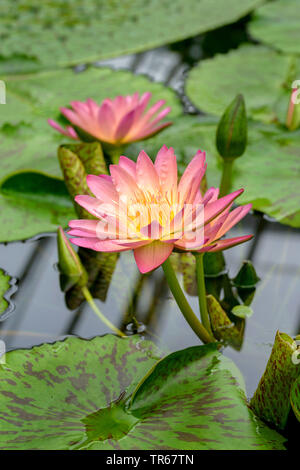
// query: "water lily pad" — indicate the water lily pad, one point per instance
point(90, 394)
point(262, 75)
point(73, 32)
point(7, 289)
point(277, 24)
point(269, 170)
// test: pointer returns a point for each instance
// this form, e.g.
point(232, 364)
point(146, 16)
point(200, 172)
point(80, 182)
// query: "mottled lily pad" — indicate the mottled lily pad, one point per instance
point(75, 32)
point(7, 289)
point(277, 25)
point(262, 75)
point(269, 170)
point(112, 393)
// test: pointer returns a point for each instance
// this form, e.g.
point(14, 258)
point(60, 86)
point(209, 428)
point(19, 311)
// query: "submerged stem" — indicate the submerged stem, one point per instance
point(183, 304)
point(202, 291)
point(226, 176)
point(94, 307)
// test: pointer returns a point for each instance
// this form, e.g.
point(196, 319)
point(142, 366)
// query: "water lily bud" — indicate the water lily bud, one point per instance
point(231, 139)
point(71, 269)
point(246, 277)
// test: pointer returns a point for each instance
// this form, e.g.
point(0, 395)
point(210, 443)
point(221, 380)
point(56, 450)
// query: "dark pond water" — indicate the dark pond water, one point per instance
point(41, 314)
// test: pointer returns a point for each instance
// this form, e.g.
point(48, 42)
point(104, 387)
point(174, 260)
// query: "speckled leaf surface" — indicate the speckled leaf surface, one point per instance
point(7, 289)
point(271, 401)
point(262, 75)
point(34, 203)
point(269, 170)
point(47, 391)
point(277, 25)
point(112, 393)
point(193, 400)
point(75, 32)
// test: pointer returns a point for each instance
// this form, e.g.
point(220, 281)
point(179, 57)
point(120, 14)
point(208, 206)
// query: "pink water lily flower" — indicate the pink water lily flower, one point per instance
point(142, 207)
point(116, 121)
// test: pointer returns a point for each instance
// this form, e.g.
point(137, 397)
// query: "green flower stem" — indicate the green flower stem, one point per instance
point(94, 307)
point(115, 153)
point(202, 292)
point(226, 176)
point(183, 304)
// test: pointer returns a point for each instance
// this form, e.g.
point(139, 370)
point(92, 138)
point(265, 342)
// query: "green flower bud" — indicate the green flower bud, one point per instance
point(246, 277)
point(71, 269)
point(231, 138)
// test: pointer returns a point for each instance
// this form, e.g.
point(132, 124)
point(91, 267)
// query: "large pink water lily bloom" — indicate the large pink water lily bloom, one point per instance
point(118, 121)
point(172, 215)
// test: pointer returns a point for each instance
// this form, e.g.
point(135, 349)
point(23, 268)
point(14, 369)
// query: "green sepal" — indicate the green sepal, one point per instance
point(246, 277)
point(71, 269)
point(223, 328)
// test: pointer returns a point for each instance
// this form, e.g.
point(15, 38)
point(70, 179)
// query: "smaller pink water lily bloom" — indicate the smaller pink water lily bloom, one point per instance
point(142, 207)
point(116, 121)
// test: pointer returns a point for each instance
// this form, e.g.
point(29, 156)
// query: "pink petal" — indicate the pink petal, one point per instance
point(166, 168)
point(160, 116)
point(213, 209)
point(124, 183)
point(69, 131)
point(228, 243)
point(152, 255)
point(190, 181)
point(106, 120)
point(147, 177)
point(71, 116)
point(96, 207)
point(124, 126)
point(152, 231)
point(233, 218)
point(150, 132)
point(99, 245)
point(102, 188)
point(211, 195)
point(128, 165)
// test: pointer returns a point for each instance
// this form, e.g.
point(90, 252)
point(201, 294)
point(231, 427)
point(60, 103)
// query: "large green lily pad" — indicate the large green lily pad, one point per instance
point(91, 394)
point(261, 74)
point(269, 171)
point(277, 25)
point(7, 289)
point(68, 32)
point(33, 203)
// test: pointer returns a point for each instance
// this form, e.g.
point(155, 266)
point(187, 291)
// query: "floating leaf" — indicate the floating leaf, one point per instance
point(77, 394)
point(277, 25)
point(269, 170)
point(271, 401)
point(261, 74)
point(7, 289)
point(73, 32)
